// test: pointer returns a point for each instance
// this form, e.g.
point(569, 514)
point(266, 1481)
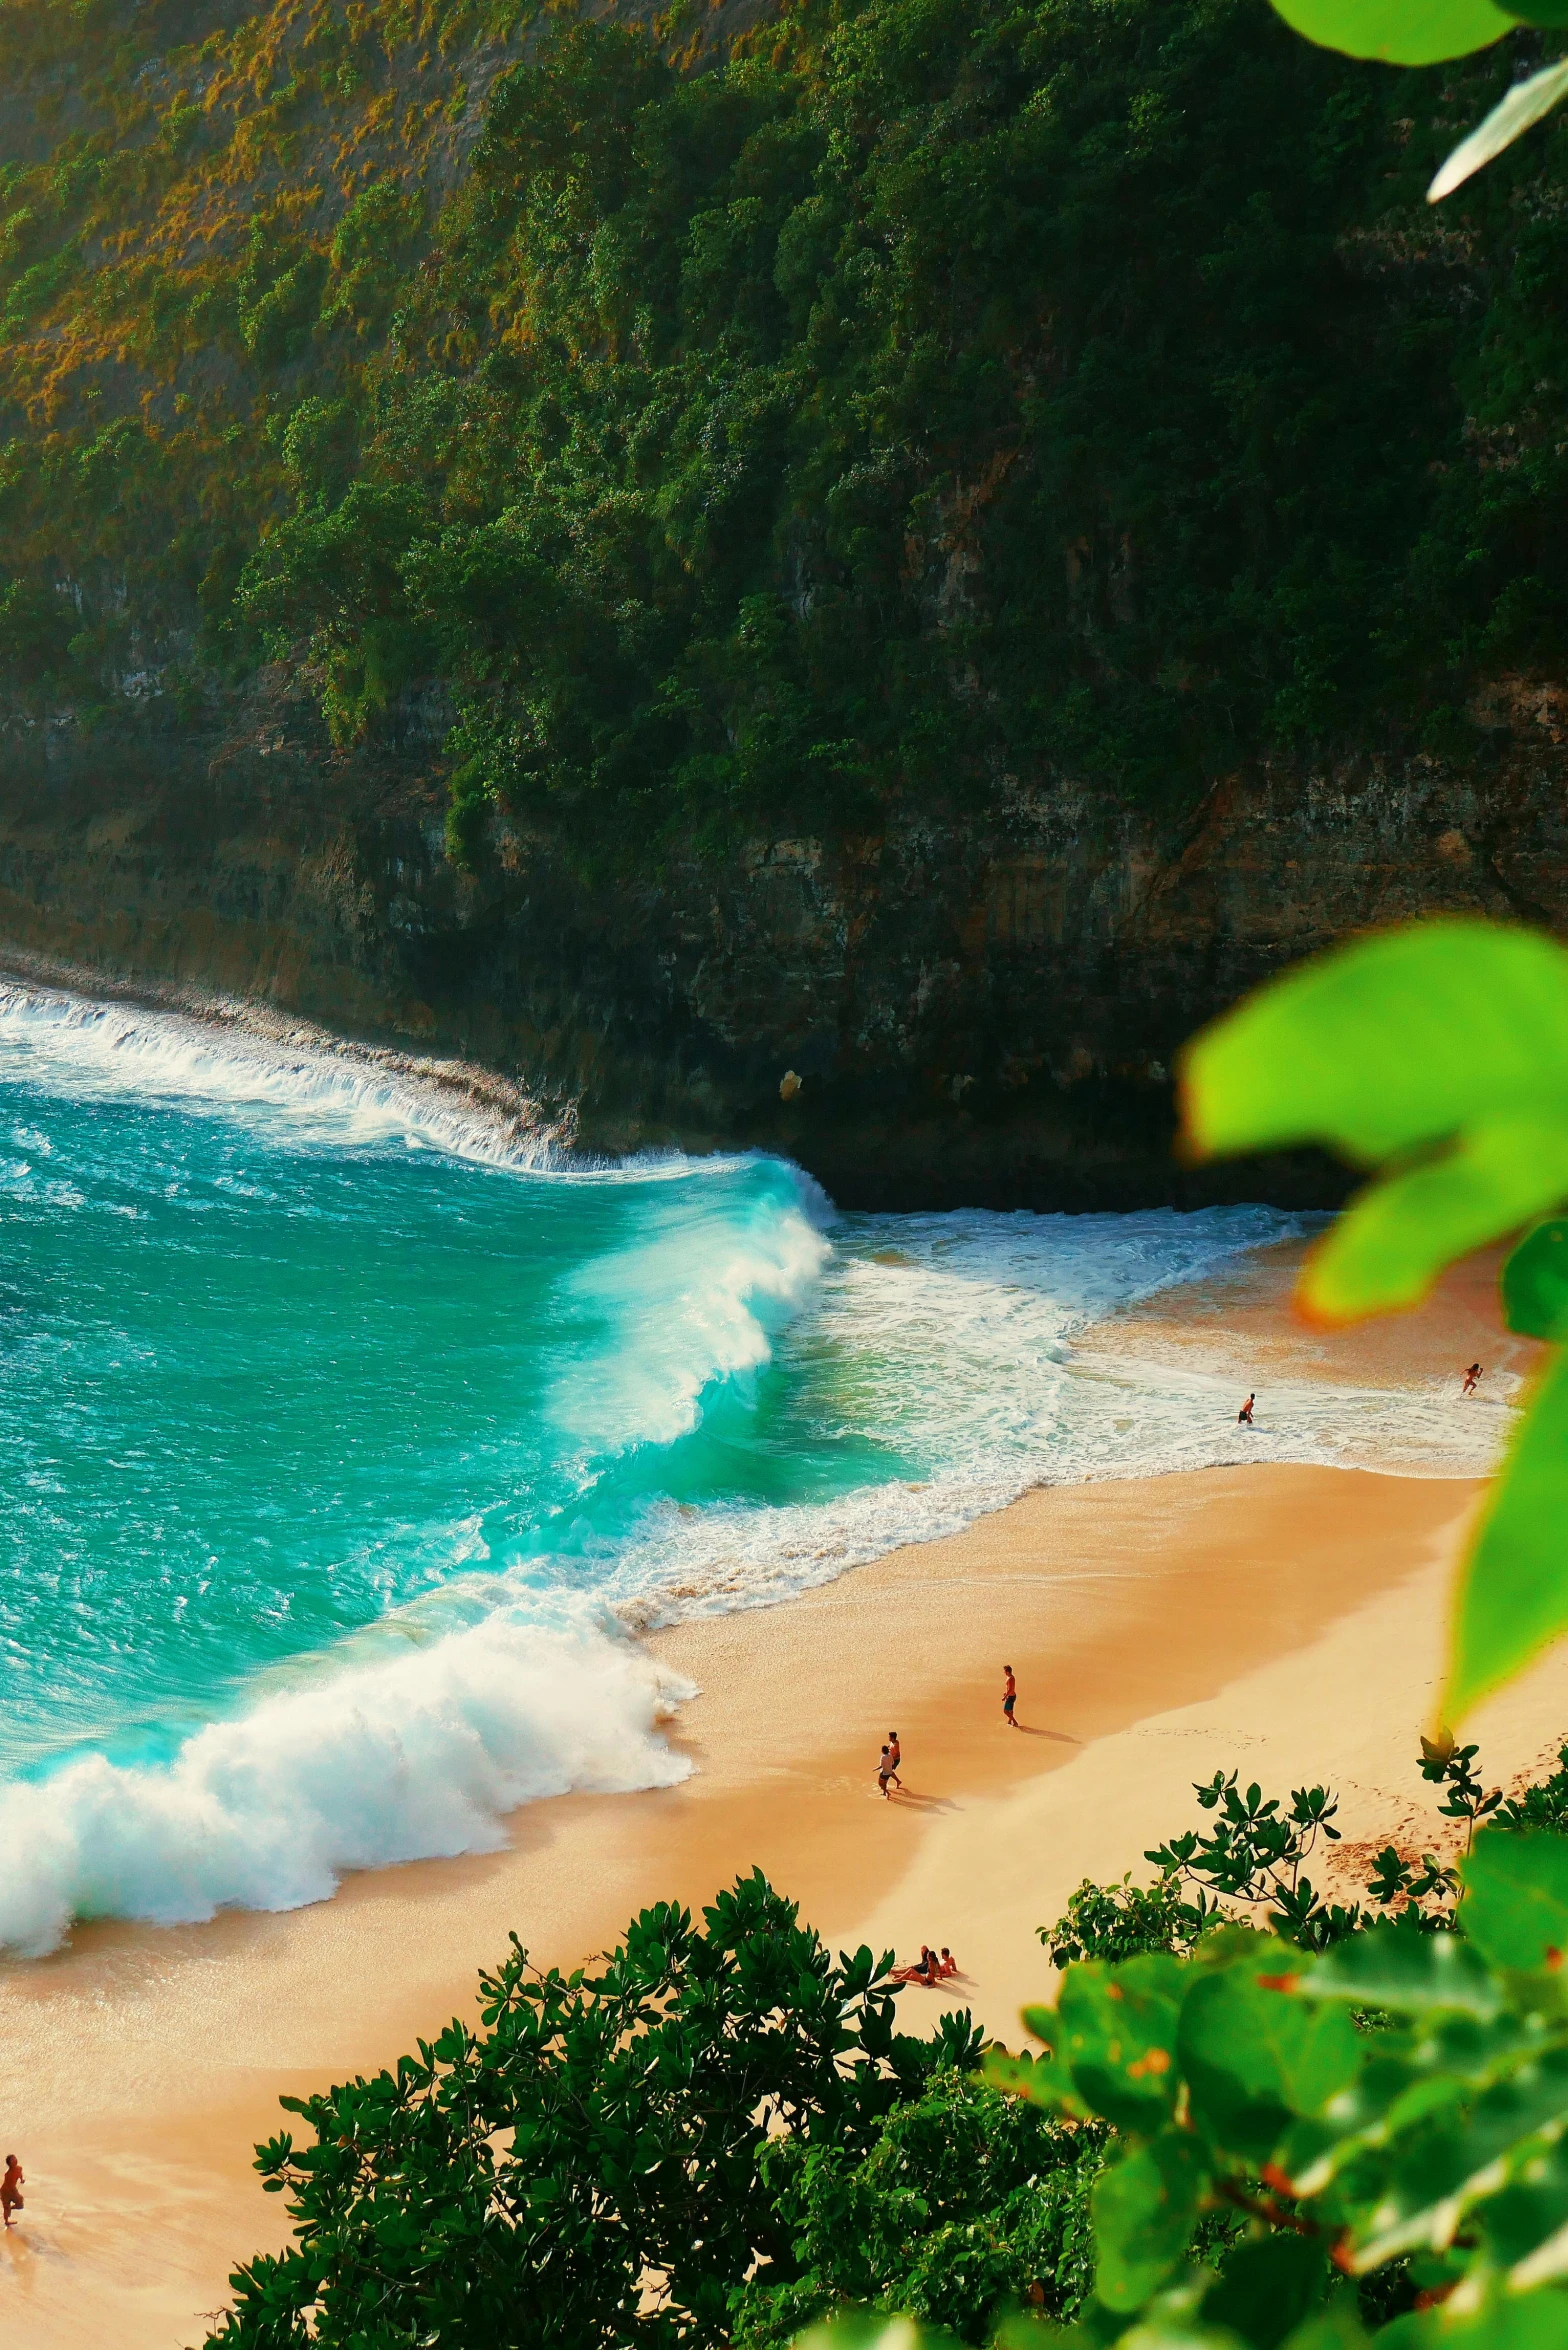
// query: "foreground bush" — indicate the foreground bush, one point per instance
point(968, 2205)
point(1239, 2080)
point(588, 2168)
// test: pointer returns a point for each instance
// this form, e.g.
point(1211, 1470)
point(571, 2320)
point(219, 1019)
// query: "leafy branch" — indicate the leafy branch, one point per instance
point(1437, 1054)
point(1429, 32)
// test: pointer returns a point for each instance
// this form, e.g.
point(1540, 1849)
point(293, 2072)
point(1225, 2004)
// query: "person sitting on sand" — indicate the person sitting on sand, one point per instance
point(1009, 1696)
point(11, 2188)
point(918, 1973)
point(895, 1755)
point(1472, 1379)
point(884, 1773)
point(947, 1964)
point(1244, 1416)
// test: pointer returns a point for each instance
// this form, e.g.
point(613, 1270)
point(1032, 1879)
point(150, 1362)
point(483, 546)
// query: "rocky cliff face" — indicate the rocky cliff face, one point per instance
point(981, 1013)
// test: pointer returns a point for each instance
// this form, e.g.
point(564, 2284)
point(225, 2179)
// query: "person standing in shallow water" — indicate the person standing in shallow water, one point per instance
point(1244, 1416)
point(1472, 1379)
point(11, 2187)
point(1009, 1696)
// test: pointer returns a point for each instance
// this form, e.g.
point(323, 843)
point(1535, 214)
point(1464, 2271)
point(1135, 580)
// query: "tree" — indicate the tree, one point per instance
point(587, 2168)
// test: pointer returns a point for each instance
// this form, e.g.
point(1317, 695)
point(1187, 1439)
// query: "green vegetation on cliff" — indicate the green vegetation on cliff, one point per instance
point(724, 430)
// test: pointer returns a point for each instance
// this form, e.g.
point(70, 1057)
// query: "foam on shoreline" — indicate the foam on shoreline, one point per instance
point(732, 1397)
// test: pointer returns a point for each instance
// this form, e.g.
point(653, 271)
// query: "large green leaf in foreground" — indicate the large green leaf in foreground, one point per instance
point(1441, 1048)
point(1513, 1601)
point(1440, 1052)
point(1424, 32)
point(1402, 32)
point(1516, 1901)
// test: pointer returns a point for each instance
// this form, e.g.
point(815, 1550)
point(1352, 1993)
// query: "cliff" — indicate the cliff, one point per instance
point(835, 574)
point(979, 1013)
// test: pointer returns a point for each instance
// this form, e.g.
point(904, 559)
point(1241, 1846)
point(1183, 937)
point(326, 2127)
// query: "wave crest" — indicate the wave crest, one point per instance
point(418, 1757)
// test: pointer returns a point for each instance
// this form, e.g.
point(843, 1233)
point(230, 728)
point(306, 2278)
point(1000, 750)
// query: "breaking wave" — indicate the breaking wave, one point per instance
point(350, 1426)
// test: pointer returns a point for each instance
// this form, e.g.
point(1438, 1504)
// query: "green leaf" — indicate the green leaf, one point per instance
point(1116, 2031)
point(1526, 2226)
point(1513, 115)
point(1530, 2321)
point(1383, 2101)
point(1388, 1248)
point(1336, 2328)
point(1255, 2055)
point(1535, 1282)
point(1268, 2287)
point(1444, 1033)
point(1041, 2080)
point(1515, 1907)
point(1441, 2171)
point(1024, 2331)
point(1395, 1041)
point(1145, 2208)
point(1402, 32)
point(1173, 2320)
point(1513, 1598)
point(1413, 1974)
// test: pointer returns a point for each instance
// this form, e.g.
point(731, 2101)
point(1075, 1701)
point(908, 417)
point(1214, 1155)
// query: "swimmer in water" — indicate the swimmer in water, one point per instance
point(1244, 1416)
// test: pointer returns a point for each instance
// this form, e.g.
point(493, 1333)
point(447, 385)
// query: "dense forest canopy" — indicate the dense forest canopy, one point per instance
point(732, 431)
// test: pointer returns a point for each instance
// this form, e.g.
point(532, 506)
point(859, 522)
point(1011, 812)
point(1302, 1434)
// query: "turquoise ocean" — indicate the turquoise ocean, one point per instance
point(345, 1441)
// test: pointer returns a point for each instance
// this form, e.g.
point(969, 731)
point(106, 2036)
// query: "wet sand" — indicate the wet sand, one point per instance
point(1283, 1621)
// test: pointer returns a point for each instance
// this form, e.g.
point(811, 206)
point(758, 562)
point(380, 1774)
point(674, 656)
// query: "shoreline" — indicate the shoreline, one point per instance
point(1281, 1620)
point(518, 1115)
point(1175, 1627)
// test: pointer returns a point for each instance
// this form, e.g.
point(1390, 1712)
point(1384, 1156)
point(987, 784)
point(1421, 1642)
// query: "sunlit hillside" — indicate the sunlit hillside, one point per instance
point(746, 418)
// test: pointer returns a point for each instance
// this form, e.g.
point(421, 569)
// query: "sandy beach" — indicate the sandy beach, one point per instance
point(1285, 1622)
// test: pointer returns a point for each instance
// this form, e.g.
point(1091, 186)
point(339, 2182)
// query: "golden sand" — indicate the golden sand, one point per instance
point(1282, 1621)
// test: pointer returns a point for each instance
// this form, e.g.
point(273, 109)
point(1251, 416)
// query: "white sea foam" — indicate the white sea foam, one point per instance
point(411, 1758)
point(692, 1308)
point(932, 1364)
point(122, 1051)
point(327, 1092)
point(949, 1340)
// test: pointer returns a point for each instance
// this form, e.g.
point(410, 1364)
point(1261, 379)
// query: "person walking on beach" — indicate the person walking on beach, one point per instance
point(11, 2187)
point(1244, 1416)
point(884, 1773)
point(895, 1755)
point(1009, 1696)
point(1472, 1379)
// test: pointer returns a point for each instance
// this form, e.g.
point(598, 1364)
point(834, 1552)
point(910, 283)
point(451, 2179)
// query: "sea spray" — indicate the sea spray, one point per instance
point(124, 1050)
point(692, 1308)
point(333, 1432)
point(417, 1757)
